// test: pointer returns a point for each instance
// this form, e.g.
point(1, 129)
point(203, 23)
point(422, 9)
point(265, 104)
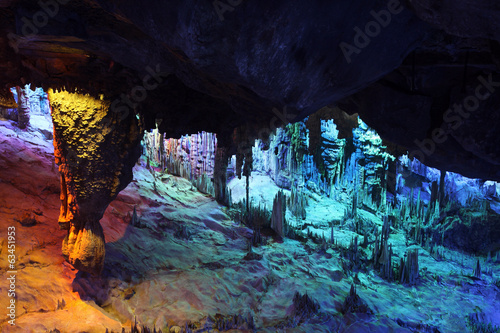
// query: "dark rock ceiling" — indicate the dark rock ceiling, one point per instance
point(229, 63)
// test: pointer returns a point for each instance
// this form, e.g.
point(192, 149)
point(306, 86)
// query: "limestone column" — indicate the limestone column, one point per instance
point(95, 149)
point(23, 109)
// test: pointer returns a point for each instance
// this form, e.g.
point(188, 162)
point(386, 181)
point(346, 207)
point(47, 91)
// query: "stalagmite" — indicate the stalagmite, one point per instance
point(278, 223)
point(297, 203)
point(408, 269)
point(23, 109)
point(477, 270)
point(222, 193)
point(247, 170)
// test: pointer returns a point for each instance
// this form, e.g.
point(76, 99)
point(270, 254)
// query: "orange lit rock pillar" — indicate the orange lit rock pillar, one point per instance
point(96, 150)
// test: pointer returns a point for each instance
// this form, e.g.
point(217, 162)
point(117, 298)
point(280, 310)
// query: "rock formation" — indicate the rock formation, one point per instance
point(95, 149)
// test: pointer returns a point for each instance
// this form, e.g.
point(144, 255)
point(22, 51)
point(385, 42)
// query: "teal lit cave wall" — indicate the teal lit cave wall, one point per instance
point(435, 208)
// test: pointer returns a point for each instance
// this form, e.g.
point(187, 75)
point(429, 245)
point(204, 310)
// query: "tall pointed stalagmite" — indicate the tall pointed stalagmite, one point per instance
point(278, 223)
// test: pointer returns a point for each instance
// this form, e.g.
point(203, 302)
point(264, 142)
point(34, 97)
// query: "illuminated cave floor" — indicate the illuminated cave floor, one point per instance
point(29, 183)
point(161, 277)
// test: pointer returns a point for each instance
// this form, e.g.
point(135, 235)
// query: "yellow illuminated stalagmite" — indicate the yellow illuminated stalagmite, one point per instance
point(95, 149)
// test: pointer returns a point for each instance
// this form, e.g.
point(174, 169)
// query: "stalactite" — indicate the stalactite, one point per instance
point(354, 205)
point(247, 189)
point(193, 152)
point(434, 193)
point(162, 153)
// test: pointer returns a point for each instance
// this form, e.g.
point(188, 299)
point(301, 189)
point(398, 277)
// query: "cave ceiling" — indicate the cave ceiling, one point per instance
point(424, 73)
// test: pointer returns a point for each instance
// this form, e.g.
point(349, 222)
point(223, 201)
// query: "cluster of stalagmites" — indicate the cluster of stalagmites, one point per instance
point(406, 272)
point(303, 308)
point(354, 304)
point(194, 157)
point(219, 322)
point(198, 158)
point(287, 155)
point(189, 157)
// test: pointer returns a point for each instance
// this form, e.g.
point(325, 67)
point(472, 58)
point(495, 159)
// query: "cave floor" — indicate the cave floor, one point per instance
point(184, 259)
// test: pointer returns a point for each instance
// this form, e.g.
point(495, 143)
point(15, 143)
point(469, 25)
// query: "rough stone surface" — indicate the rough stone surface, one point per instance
point(95, 151)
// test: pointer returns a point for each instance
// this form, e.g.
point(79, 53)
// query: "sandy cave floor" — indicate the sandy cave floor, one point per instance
point(153, 272)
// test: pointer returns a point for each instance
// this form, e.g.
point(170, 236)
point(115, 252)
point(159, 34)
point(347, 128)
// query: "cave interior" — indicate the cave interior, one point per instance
point(234, 166)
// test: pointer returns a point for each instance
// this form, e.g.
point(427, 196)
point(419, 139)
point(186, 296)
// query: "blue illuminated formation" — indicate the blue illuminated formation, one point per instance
point(376, 212)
